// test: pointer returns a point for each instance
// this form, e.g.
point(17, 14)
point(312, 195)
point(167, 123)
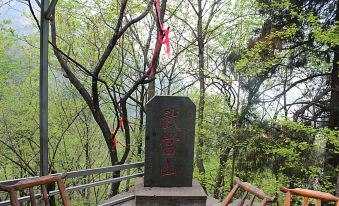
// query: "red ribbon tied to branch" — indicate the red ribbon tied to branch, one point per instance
point(165, 41)
point(164, 32)
point(114, 145)
point(163, 38)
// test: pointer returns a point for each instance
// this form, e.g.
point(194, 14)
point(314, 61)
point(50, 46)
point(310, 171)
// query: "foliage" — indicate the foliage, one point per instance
point(265, 65)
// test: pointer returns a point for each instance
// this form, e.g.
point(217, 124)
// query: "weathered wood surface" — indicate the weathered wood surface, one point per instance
point(39, 181)
point(249, 189)
point(319, 196)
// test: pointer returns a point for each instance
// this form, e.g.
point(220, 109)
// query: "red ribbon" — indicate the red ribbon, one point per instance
point(114, 145)
point(164, 32)
point(121, 121)
point(165, 41)
point(163, 38)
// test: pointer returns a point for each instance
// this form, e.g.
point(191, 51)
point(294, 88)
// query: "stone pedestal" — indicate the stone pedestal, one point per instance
point(169, 196)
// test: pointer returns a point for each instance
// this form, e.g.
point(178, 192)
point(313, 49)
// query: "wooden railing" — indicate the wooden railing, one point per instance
point(81, 173)
point(319, 196)
point(43, 182)
point(248, 188)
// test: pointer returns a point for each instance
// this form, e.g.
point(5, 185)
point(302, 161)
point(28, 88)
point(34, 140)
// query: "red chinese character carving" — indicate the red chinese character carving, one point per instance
point(168, 119)
point(168, 142)
point(167, 170)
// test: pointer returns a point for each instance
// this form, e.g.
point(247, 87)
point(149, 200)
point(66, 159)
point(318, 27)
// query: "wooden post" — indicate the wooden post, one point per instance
point(305, 201)
point(32, 197)
point(14, 199)
point(63, 193)
point(243, 199)
point(45, 194)
point(230, 195)
point(252, 200)
point(288, 197)
point(264, 202)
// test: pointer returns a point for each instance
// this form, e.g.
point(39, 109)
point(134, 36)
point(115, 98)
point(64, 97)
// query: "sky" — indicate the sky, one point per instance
point(16, 12)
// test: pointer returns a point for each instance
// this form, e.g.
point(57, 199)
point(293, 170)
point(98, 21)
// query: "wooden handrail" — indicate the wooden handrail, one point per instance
point(5, 183)
point(319, 196)
point(254, 190)
point(45, 180)
point(248, 189)
point(39, 181)
point(311, 194)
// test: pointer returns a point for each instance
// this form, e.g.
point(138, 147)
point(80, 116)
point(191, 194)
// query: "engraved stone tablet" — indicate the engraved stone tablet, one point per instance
point(169, 142)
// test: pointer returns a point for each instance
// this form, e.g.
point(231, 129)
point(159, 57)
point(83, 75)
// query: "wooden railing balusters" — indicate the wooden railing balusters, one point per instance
point(32, 197)
point(263, 202)
point(305, 201)
point(45, 194)
point(242, 201)
point(64, 194)
point(248, 189)
point(13, 198)
point(318, 202)
point(288, 197)
point(252, 200)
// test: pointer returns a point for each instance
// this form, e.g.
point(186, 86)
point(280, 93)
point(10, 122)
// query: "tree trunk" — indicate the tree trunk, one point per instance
point(92, 97)
point(220, 176)
point(151, 90)
point(151, 85)
point(333, 158)
point(116, 174)
point(334, 102)
point(233, 167)
point(200, 142)
point(93, 104)
point(141, 121)
point(284, 96)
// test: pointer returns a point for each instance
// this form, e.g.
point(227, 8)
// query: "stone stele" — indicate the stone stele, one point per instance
point(169, 142)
